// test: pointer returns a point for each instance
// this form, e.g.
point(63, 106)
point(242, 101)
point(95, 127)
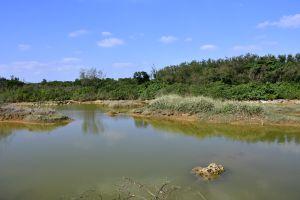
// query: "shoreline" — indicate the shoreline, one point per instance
point(143, 102)
point(35, 123)
point(214, 120)
point(131, 105)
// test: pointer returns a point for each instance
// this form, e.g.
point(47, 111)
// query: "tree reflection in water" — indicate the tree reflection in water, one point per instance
point(141, 123)
point(7, 128)
point(245, 133)
point(91, 122)
point(4, 133)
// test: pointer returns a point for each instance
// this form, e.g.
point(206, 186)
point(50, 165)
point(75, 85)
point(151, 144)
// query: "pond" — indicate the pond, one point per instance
point(95, 152)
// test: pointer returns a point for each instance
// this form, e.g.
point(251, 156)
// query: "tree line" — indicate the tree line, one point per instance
point(236, 70)
point(247, 77)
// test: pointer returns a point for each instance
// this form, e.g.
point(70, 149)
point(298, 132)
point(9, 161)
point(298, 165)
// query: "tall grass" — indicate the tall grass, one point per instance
point(205, 105)
point(43, 115)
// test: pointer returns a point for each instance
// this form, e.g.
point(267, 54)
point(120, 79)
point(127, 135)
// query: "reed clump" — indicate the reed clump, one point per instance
point(205, 105)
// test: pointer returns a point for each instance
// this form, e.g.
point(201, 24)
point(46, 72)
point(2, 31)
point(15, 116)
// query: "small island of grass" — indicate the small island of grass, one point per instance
point(14, 113)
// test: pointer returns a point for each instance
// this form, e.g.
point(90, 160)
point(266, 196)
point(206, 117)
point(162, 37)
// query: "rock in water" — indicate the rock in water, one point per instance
point(112, 113)
point(209, 173)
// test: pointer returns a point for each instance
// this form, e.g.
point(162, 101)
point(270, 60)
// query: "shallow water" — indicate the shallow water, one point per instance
point(96, 151)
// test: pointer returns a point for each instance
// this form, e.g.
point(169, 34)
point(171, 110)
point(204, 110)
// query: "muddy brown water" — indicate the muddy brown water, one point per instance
point(96, 151)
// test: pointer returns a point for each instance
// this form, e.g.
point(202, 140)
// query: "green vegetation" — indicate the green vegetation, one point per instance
point(26, 114)
point(220, 111)
point(204, 105)
point(248, 77)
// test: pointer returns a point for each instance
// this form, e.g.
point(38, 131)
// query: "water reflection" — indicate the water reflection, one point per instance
point(141, 123)
point(7, 129)
point(245, 133)
point(91, 123)
point(67, 161)
point(90, 114)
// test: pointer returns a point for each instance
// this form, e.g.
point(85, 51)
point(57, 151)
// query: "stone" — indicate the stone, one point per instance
point(211, 172)
point(112, 113)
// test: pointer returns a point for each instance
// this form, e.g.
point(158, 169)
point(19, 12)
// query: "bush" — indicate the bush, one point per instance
point(198, 105)
point(204, 105)
point(240, 108)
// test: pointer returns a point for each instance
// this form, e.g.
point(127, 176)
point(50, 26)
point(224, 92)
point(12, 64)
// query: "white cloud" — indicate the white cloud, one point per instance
point(106, 33)
point(247, 48)
point(24, 47)
point(264, 24)
point(168, 39)
point(122, 65)
point(290, 21)
point(78, 33)
point(188, 39)
point(26, 65)
point(110, 42)
point(19, 68)
point(39, 67)
point(208, 47)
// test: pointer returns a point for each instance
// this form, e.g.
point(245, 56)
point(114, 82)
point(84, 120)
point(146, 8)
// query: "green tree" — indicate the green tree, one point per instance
point(141, 77)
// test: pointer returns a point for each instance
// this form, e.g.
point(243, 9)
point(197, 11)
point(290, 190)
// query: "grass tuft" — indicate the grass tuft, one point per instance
point(205, 105)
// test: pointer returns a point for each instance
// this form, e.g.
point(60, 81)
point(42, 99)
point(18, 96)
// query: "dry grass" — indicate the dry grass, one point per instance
point(26, 114)
point(205, 105)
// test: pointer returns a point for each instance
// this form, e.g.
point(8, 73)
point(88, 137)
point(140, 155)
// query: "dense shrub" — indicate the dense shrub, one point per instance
point(235, 70)
point(248, 77)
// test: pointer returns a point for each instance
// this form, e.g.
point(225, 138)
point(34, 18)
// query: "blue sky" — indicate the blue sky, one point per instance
point(54, 39)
